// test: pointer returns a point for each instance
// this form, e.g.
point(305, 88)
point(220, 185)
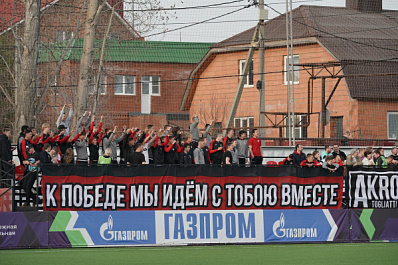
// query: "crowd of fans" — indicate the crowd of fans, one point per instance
point(332, 158)
point(92, 145)
point(83, 143)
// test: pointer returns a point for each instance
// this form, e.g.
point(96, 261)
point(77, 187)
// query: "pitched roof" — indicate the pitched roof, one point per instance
point(131, 51)
point(349, 35)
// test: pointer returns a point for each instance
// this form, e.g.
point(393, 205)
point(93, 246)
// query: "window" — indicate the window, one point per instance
point(243, 122)
point(295, 73)
point(217, 128)
point(299, 132)
point(392, 125)
point(64, 35)
point(113, 36)
point(124, 85)
point(150, 85)
point(336, 127)
point(102, 85)
point(249, 77)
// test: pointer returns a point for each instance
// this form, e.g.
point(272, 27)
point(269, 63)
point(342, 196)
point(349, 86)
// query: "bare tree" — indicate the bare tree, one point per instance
point(93, 12)
point(27, 55)
point(27, 106)
point(216, 109)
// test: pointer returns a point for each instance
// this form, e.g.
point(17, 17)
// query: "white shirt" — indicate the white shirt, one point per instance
point(145, 148)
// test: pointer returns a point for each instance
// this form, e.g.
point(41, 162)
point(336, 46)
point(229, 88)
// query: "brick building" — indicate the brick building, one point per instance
point(352, 51)
point(142, 82)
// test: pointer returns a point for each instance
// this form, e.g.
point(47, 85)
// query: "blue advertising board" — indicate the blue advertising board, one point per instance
point(298, 225)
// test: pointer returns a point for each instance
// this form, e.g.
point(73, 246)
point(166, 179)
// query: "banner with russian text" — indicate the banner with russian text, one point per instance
point(372, 188)
point(189, 188)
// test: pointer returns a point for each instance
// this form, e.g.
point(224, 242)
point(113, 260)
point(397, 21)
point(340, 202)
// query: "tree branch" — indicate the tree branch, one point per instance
point(61, 59)
point(7, 95)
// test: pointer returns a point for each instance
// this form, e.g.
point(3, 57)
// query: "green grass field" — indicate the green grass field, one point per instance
point(336, 254)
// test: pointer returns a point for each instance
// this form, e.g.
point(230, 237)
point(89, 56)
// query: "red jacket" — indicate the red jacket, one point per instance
point(314, 163)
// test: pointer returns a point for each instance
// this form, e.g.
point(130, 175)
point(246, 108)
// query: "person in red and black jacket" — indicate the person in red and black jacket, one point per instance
point(288, 160)
point(310, 162)
point(35, 138)
point(63, 140)
point(216, 150)
point(255, 148)
point(93, 146)
point(172, 152)
point(228, 138)
point(44, 138)
point(26, 144)
point(158, 149)
point(128, 145)
point(93, 128)
point(19, 143)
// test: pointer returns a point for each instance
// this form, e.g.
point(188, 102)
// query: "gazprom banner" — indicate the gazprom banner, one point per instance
point(189, 188)
point(129, 228)
point(184, 227)
point(299, 225)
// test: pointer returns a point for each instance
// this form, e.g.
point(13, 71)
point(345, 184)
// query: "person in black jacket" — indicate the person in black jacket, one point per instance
point(129, 143)
point(136, 158)
point(45, 157)
point(93, 147)
point(5, 145)
point(206, 151)
point(5, 153)
point(186, 157)
point(298, 155)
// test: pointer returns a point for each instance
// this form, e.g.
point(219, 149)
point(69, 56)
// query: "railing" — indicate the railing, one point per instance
point(10, 183)
point(7, 180)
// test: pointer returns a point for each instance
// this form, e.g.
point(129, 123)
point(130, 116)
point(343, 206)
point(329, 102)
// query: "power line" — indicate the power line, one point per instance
point(197, 23)
point(350, 63)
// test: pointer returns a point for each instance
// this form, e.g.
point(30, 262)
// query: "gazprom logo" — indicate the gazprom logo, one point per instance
point(107, 233)
point(280, 231)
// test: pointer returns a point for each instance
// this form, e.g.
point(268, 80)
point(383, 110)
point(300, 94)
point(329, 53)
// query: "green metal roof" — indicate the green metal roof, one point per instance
point(129, 51)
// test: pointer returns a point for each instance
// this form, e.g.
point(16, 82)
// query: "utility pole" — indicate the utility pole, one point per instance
point(257, 39)
point(262, 16)
point(289, 71)
point(238, 93)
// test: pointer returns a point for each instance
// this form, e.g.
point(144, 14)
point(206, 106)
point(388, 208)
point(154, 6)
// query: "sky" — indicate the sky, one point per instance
point(228, 24)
